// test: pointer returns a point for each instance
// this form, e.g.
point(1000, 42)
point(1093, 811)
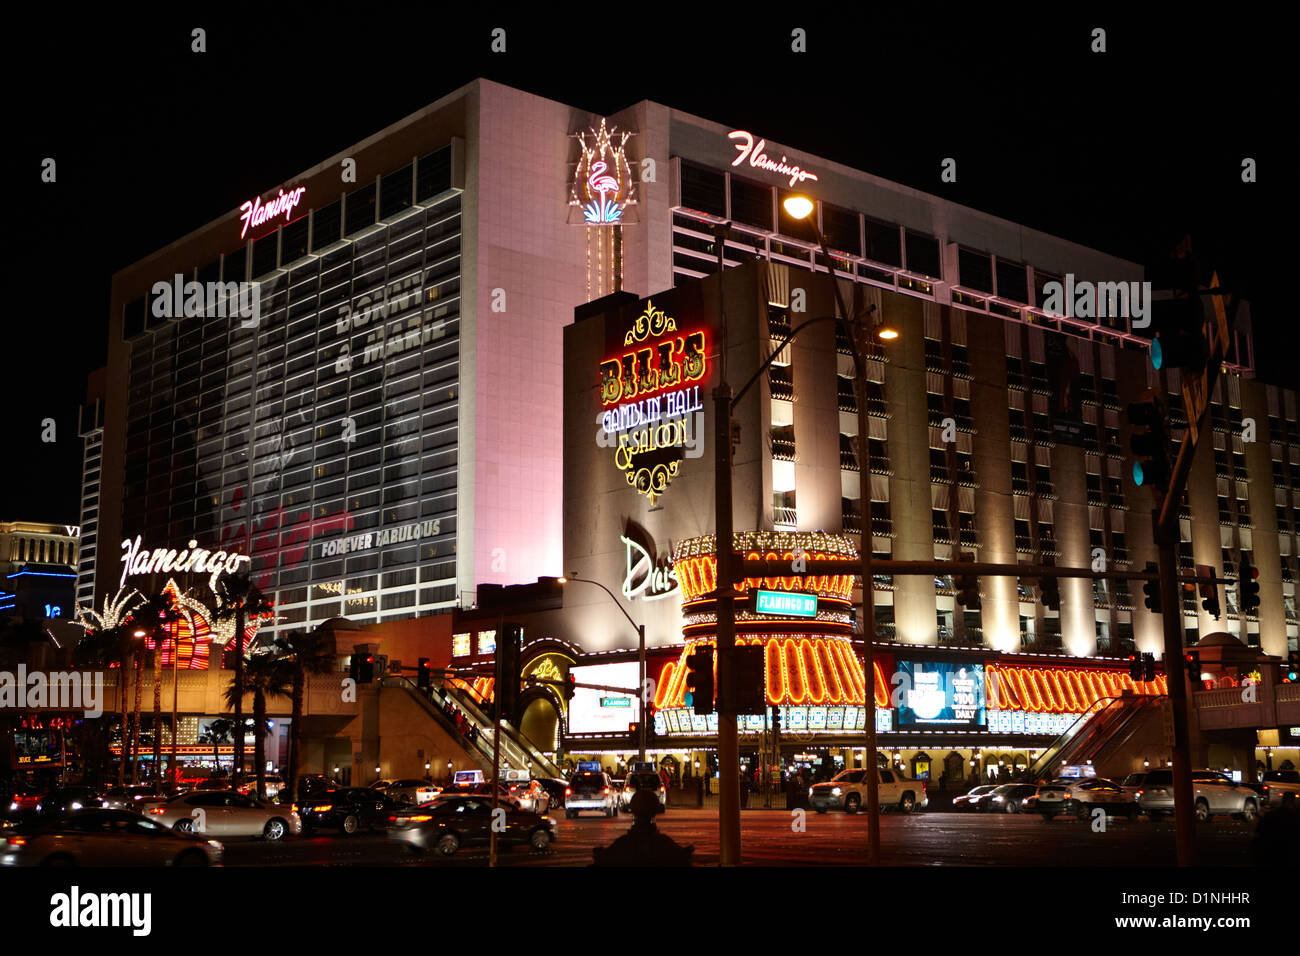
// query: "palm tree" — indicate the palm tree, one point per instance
point(217, 733)
point(238, 599)
point(306, 652)
point(265, 675)
point(155, 614)
point(110, 645)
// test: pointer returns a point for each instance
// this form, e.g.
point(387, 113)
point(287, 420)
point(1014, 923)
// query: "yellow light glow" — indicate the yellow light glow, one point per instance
point(798, 207)
point(887, 333)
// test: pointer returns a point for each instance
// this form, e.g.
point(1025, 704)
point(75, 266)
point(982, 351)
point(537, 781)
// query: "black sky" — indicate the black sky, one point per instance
point(1124, 151)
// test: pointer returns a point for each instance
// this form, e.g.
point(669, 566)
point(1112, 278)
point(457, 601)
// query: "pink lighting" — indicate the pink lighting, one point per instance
point(253, 213)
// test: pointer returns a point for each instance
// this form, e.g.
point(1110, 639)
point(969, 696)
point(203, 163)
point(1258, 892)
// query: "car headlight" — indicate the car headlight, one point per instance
point(998, 799)
point(835, 791)
point(14, 805)
point(810, 791)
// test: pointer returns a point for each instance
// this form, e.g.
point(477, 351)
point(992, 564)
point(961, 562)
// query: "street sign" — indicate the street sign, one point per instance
point(785, 603)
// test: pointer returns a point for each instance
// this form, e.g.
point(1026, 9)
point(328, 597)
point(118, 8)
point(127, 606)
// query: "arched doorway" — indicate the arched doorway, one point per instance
point(954, 767)
point(540, 723)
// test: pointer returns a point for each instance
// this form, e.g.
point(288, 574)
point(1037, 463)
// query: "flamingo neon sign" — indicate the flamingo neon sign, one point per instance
point(602, 183)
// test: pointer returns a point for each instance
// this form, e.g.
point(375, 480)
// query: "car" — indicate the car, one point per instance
point(642, 780)
point(68, 799)
point(104, 837)
point(590, 790)
point(128, 798)
point(314, 783)
point(482, 790)
point(273, 781)
point(25, 799)
point(971, 799)
point(1213, 794)
point(224, 813)
point(531, 796)
point(554, 789)
point(847, 791)
point(1280, 786)
point(411, 792)
point(1009, 797)
point(347, 809)
point(451, 822)
point(1080, 796)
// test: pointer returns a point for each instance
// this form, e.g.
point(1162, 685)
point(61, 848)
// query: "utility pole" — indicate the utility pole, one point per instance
point(496, 746)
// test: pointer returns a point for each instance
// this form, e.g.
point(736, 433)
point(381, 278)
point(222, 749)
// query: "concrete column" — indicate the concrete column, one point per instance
point(1263, 516)
point(1070, 519)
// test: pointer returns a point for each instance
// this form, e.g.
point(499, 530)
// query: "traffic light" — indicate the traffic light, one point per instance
point(1179, 322)
point(1148, 667)
point(748, 683)
point(1247, 586)
point(570, 687)
point(1149, 440)
point(1193, 661)
point(1209, 592)
point(507, 667)
point(1292, 668)
point(363, 668)
point(699, 682)
point(967, 586)
point(354, 667)
point(776, 719)
point(1134, 667)
point(423, 675)
point(1152, 589)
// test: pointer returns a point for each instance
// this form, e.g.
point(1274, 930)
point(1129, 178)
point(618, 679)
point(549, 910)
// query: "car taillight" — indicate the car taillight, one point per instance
point(392, 819)
point(293, 808)
point(607, 791)
point(568, 792)
point(158, 811)
point(14, 841)
point(324, 807)
point(420, 818)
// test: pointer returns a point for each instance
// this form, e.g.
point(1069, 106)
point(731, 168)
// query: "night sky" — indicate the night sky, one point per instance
point(1124, 151)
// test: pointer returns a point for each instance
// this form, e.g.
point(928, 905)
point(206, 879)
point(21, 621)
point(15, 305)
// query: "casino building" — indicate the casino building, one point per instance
point(414, 407)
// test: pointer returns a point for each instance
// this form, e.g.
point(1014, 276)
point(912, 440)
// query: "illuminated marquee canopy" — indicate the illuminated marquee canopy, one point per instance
point(1060, 690)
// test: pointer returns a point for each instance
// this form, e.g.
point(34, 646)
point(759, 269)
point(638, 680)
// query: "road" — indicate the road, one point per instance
point(772, 838)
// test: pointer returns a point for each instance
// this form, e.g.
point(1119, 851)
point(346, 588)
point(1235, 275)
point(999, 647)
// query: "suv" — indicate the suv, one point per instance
point(1281, 786)
point(642, 780)
point(848, 792)
point(1081, 795)
point(1213, 794)
point(590, 790)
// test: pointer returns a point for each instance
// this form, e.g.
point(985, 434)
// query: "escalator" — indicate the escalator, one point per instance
point(1109, 723)
point(517, 749)
point(477, 747)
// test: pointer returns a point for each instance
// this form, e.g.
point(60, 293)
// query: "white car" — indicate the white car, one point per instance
point(224, 813)
point(590, 790)
point(1213, 794)
point(1079, 796)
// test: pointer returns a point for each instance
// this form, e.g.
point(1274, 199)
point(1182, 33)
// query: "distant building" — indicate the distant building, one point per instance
point(37, 562)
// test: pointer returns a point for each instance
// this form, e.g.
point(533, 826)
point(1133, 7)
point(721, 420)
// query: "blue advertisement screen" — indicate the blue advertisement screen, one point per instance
point(934, 694)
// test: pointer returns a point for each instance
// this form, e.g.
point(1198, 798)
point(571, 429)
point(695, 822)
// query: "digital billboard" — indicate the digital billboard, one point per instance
point(932, 694)
point(604, 711)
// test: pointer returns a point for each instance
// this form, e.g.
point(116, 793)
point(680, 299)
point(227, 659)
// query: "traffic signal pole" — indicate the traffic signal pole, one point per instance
point(496, 746)
point(728, 741)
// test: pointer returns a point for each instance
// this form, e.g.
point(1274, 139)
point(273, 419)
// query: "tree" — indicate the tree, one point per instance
point(156, 614)
point(110, 637)
point(265, 675)
point(240, 601)
point(306, 652)
point(105, 647)
point(217, 733)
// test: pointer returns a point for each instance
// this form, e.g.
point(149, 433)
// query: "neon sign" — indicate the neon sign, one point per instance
point(653, 430)
point(253, 213)
point(786, 604)
point(602, 183)
point(644, 577)
point(170, 561)
point(760, 160)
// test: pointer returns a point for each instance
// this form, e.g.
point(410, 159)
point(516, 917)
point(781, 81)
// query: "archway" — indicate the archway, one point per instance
point(540, 723)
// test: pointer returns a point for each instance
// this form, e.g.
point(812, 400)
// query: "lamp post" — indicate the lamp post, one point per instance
point(801, 208)
point(640, 636)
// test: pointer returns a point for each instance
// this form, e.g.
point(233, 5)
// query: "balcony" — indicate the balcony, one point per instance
point(785, 519)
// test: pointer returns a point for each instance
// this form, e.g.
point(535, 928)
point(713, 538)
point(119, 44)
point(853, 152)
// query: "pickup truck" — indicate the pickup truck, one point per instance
point(1279, 786)
point(848, 792)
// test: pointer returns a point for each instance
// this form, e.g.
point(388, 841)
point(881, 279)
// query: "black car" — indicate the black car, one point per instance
point(347, 808)
point(555, 789)
point(69, 799)
point(1007, 798)
point(449, 823)
point(314, 784)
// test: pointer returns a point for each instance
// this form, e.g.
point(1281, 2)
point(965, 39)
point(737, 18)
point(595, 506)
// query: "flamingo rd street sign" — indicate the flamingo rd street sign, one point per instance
point(785, 603)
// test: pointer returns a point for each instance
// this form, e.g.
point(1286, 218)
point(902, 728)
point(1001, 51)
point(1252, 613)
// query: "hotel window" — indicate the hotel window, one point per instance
point(395, 192)
point(840, 227)
point(751, 203)
point(883, 244)
point(704, 190)
point(433, 174)
point(939, 521)
point(326, 224)
point(1013, 281)
point(1043, 479)
point(361, 210)
point(1119, 545)
point(974, 270)
point(783, 447)
point(781, 382)
point(938, 464)
point(923, 255)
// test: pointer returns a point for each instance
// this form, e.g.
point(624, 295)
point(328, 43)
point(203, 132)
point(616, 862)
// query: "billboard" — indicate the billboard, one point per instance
point(604, 711)
point(933, 694)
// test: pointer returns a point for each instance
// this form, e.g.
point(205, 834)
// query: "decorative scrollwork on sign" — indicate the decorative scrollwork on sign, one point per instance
point(653, 481)
point(649, 324)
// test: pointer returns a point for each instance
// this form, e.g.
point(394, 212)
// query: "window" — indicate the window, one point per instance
point(841, 229)
point(883, 243)
point(751, 203)
point(1013, 281)
point(704, 190)
point(923, 255)
point(975, 270)
point(361, 210)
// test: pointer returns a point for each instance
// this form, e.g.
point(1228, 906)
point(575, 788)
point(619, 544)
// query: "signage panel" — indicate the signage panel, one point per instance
point(785, 603)
point(941, 694)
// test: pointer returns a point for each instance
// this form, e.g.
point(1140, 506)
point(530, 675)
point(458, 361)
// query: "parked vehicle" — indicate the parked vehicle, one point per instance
point(274, 784)
point(1080, 796)
point(224, 813)
point(411, 792)
point(848, 792)
point(347, 809)
point(25, 799)
point(129, 798)
point(1213, 794)
point(104, 837)
point(452, 822)
point(555, 790)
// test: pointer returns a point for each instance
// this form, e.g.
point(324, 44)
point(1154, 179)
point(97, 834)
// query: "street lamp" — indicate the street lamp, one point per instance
point(801, 208)
point(640, 637)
